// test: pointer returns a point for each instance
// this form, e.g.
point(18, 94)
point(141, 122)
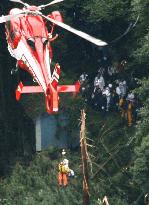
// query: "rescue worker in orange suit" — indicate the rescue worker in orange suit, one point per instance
point(64, 172)
point(123, 107)
point(130, 108)
point(129, 113)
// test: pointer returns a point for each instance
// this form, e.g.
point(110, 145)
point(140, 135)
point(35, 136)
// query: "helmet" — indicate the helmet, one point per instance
point(63, 152)
point(130, 96)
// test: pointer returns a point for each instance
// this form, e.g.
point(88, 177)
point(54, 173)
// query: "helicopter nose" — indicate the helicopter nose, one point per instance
point(40, 55)
point(39, 50)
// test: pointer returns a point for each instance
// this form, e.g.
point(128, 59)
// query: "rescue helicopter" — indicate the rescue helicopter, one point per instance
point(29, 42)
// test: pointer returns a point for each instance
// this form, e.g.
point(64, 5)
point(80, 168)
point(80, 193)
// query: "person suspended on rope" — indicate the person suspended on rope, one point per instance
point(64, 172)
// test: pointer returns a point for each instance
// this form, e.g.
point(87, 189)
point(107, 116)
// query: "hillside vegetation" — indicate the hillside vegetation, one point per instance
point(119, 166)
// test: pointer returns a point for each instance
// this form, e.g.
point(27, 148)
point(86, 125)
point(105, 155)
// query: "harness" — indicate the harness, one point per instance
point(63, 169)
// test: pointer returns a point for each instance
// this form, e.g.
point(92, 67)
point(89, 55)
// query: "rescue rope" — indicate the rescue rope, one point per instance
point(130, 27)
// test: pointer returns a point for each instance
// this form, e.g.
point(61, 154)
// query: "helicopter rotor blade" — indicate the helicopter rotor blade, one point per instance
point(21, 2)
point(82, 34)
point(49, 4)
point(6, 18)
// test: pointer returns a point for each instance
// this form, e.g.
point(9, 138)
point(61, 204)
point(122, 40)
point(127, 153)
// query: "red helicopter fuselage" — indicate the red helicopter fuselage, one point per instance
point(30, 43)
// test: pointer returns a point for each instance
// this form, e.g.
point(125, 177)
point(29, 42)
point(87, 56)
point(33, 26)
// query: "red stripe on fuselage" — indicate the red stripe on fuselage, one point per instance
point(34, 27)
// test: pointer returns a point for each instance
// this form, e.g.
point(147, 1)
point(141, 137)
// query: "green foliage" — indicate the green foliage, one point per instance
point(139, 7)
point(142, 52)
point(141, 164)
point(37, 184)
point(106, 10)
point(139, 169)
point(120, 156)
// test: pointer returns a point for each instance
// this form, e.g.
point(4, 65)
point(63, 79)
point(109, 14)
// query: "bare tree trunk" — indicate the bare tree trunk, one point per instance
point(105, 200)
point(146, 199)
point(86, 198)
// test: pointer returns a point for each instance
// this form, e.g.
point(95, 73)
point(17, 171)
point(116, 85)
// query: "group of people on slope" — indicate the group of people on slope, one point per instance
point(113, 96)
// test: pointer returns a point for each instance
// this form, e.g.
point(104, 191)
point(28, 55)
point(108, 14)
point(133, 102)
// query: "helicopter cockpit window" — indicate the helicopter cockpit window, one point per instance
point(12, 32)
point(8, 25)
point(31, 43)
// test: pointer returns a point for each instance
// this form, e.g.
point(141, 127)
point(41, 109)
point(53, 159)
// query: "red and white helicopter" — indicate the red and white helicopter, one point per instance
point(30, 43)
